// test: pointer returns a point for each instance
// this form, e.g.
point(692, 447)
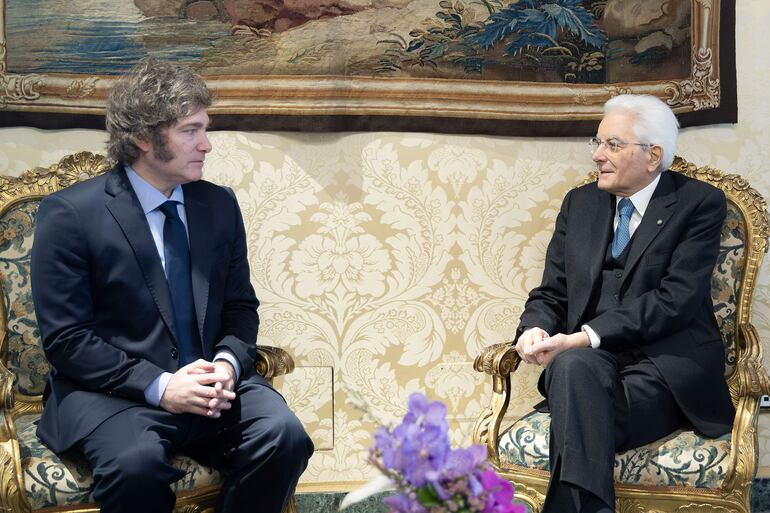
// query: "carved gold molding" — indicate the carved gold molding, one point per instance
point(42, 181)
point(12, 498)
point(624, 505)
point(273, 362)
point(702, 90)
point(335, 95)
point(703, 508)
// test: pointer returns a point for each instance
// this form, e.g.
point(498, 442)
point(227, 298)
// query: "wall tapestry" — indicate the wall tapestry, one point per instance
point(485, 66)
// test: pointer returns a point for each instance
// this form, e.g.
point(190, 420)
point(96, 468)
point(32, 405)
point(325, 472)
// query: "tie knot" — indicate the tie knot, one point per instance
point(625, 207)
point(169, 209)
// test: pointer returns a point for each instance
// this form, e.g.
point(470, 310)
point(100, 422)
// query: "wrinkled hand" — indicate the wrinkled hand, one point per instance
point(548, 348)
point(201, 387)
point(528, 344)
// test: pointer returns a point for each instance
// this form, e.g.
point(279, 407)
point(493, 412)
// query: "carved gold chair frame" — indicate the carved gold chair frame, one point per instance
point(748, 381)
point(32, 185)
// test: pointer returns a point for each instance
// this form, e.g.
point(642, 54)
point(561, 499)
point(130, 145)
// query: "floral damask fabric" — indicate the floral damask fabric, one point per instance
point(25, 352)
point(725, 279)
point(681, 459)
point(51, 480)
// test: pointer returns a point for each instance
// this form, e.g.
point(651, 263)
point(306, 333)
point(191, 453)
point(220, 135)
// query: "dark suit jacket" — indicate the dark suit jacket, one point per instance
point(666, 309)
point(103, 305)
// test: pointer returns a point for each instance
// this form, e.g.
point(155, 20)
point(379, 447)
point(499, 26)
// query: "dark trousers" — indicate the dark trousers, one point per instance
point(259, 445)
point(600, 403)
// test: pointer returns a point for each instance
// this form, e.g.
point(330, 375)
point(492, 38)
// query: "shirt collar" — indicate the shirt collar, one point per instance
point(149, 197)
point(641, 199)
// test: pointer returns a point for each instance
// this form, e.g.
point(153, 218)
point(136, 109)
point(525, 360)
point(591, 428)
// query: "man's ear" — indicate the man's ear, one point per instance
point(656, 157)
point(142, 144)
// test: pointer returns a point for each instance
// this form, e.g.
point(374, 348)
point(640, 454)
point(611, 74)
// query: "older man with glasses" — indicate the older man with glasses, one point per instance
point(623, 322)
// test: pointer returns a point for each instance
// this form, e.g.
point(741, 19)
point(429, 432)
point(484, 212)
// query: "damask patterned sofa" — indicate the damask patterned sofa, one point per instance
point(684, 472)
point(32, 478)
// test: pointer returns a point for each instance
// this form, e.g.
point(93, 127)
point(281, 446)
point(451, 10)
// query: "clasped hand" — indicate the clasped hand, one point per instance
point(202, 388)
point(536, 346)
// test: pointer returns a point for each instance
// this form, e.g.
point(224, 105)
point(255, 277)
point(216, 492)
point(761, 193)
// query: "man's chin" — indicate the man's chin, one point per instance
point(604, 182)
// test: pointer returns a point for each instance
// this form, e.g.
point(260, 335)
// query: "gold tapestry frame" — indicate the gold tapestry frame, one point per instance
point(400, 97)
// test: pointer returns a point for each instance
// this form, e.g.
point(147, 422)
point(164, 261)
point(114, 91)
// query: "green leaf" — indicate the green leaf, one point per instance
point(427, 496)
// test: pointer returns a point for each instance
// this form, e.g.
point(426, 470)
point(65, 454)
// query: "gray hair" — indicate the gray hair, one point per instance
point(152, 96)
point(654, 122)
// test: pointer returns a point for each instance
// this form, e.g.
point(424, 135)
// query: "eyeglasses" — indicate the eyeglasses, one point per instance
point(612, 145)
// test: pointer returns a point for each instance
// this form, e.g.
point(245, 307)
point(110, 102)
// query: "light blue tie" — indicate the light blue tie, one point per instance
point(622, 233)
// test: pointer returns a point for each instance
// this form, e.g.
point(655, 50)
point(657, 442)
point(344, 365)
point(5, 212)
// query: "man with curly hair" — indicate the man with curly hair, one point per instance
point(141, 287)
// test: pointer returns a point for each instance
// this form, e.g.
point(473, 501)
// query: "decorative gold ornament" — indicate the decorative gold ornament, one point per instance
point(702, 90)
point(81, 88)
point(14, 88)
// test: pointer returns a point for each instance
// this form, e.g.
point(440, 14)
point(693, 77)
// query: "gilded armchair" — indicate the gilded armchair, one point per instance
point(683, 472)
point(31, 476)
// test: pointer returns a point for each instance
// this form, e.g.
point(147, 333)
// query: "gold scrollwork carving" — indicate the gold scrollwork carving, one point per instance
point(704, 508)
point(497, 359)
point(69, 170)
point(530, 496)
point(702, 90)
point(10, 495)
point(625, 505)
point(273, 362)
point(16, 88)
point(6, 388)
point(481, 428)
point(81, 88)
point(613, 91)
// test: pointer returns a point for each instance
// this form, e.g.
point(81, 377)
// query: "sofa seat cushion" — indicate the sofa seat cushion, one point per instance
point(681, 459)
point(52, 481)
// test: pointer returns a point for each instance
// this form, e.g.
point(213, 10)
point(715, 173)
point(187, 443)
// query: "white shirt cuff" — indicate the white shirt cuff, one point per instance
point(154, 391)
point(230, 357)
point(595, 339)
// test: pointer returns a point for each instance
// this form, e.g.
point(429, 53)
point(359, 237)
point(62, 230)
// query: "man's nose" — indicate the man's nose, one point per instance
point(598, 155)
point(205, 144)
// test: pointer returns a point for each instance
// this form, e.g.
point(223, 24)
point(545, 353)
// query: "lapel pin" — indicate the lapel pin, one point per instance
point(660, 222)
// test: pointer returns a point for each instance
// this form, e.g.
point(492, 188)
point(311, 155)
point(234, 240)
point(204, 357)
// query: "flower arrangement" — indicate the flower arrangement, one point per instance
point(430, 476)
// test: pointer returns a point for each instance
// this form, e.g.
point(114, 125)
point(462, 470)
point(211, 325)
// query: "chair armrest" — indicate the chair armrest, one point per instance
point(7, 379)
point(499, 361)
point(11, 481)
point(751, 378)
point(747, 384)
point(272, 362)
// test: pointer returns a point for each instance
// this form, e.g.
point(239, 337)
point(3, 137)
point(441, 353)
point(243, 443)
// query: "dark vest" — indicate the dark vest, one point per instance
point(607, 294)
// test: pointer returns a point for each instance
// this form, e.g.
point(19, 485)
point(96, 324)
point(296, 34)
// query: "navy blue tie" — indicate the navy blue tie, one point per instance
point(177, 253)
point(622, 232)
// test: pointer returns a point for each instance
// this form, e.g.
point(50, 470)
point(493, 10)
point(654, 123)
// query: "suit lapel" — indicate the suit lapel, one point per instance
point(199, 223)
point(655, 217)
point(601, 233)
point(597, 222)
point(125, 208)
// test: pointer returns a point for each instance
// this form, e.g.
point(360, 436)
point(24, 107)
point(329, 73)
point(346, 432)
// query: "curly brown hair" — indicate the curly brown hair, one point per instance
point(152, 96)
